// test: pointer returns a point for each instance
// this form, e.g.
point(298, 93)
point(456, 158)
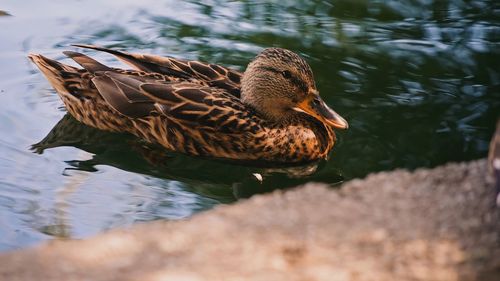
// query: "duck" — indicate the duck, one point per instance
point(272, 112)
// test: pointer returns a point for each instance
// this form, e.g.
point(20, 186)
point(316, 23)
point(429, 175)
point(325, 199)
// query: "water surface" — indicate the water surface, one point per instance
point(418, 82)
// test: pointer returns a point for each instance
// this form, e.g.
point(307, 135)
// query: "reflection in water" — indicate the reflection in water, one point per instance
point(418, 82)
point(215, 180)
point(129, 153)
point(61, 227)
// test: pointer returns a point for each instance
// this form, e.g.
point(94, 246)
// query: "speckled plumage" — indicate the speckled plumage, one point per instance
point(197, 108)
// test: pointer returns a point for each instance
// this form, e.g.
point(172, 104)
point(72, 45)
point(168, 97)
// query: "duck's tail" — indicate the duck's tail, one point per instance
point(78, 92)
point(66, 79)
point(61, 76)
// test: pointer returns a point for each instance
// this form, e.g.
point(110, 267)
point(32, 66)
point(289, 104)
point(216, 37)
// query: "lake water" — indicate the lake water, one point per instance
point(418, 82)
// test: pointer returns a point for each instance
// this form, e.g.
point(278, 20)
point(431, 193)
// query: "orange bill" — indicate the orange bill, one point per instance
point(317, 108)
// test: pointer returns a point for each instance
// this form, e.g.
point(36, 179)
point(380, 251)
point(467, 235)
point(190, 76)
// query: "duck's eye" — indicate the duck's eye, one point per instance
point(286, 74)
point(316, 101)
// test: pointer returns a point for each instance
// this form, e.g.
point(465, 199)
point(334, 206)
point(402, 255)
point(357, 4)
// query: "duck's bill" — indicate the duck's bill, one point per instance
point(317, 108)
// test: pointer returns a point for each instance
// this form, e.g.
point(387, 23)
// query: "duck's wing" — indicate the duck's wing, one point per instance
point(135, 95)
point(214, 75)
point(202, 107)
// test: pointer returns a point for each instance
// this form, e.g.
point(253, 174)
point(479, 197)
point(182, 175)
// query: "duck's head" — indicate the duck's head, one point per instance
point(279, 83)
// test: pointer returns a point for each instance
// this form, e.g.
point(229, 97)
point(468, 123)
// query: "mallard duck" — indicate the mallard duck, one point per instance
point(272, 112)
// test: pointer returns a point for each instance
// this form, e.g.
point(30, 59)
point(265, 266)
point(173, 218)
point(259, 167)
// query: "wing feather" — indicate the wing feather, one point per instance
point(114, 95)
point(184, 102)
point(198, 94)
point(214, 75)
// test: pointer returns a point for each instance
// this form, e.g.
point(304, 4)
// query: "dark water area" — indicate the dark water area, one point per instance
point(418, 81)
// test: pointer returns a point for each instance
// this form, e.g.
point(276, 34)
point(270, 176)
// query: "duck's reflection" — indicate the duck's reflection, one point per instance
point(220, 180)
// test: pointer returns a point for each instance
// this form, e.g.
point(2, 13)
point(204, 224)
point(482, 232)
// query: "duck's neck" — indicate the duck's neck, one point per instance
point(269, 108)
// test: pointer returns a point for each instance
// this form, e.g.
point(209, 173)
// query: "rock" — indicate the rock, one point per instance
point(494, 161)
point(437, 224)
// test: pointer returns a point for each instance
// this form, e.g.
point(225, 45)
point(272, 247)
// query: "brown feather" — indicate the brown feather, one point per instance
point(213, 75)
point(115, 96)
point(86, 62)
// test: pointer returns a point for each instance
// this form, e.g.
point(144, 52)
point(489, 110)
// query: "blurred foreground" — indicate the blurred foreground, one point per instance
point(439, 224)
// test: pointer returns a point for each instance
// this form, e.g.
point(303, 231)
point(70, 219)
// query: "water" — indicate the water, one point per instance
point(418, 82)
